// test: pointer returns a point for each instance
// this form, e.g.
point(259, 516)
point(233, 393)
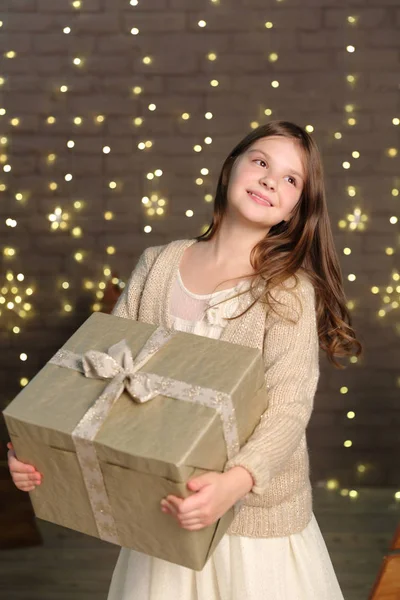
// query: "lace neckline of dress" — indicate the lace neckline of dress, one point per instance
point(203, 296)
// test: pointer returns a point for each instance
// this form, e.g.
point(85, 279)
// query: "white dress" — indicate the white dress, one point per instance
point(296, 567)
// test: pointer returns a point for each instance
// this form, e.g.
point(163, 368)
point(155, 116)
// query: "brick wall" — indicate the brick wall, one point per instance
point(310, 38)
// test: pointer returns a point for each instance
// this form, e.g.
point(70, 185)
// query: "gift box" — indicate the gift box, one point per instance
point(126, 413)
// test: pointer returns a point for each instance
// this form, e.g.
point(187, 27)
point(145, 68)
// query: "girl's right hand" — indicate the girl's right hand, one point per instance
point(25, 477)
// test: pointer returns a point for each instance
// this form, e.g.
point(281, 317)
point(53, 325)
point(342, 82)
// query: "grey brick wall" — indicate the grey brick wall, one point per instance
point(310, 38)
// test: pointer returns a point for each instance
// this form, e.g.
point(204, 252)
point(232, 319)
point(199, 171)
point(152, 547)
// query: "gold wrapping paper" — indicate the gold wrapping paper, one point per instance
point(145, 451)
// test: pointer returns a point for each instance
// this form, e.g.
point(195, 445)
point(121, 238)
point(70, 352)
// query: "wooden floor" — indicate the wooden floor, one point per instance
point(71, 566)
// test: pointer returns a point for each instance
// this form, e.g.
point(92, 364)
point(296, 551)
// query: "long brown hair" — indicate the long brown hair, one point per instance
point(304, 242)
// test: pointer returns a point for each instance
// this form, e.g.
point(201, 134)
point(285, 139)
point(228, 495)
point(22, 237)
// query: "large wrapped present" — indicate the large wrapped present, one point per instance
point(125, 414)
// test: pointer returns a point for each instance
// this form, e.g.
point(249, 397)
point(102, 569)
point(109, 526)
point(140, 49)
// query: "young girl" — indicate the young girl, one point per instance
point(271, 238)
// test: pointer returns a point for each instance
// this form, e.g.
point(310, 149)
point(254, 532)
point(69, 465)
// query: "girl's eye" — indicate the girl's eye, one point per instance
point(293, 179)
point(259, 160)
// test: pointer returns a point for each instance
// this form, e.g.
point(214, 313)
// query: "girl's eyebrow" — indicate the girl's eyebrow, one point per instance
point(268, 156)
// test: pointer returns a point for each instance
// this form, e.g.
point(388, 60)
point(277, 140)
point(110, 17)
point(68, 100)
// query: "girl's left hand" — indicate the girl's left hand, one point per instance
point(215, 494)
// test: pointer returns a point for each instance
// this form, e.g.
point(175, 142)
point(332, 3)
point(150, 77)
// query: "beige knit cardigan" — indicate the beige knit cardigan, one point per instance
point(280, 502)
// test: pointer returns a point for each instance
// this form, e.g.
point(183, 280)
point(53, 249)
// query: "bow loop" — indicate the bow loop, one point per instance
point(140, 388)
point(118, 363)
point(122, 355)
point(97, 364)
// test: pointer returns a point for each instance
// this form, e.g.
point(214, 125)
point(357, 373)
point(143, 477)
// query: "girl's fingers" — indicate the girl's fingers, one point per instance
point(18, 467)
point(26, 478)
point(189, 522)
point(170, 507)
point(26, 488)
point(195, 527)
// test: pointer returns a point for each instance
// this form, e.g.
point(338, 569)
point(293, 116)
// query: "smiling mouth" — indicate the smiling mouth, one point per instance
point(260, 200)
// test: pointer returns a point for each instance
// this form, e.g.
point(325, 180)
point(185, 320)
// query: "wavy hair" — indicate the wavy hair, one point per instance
point(304, 242)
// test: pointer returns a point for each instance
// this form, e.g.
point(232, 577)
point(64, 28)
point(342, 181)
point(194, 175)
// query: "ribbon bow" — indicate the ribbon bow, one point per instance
point(118, 364)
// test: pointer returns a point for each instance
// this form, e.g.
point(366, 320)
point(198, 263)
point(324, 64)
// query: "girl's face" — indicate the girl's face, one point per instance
point(266, 181)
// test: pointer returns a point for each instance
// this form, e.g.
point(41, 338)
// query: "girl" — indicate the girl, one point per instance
point(271, 238)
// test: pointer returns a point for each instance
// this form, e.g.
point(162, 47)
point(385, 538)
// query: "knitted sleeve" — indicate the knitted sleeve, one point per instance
point(291, 359)
point(127, 305)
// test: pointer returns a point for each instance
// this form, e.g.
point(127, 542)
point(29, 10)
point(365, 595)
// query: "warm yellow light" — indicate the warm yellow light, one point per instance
point(185, 116)
point(137, 90)
point(332, 484)
point(147, 60)
point(212, 56)
point(108, 215)
point(64, 88)
point(214, 83)
point(197, 148)
point(351, 414)
point(208, 115)
point(350, 49)
point(348, 444)
point(189, 213)
point(344, 390)
point(273, 57)
point(112, 185)
point(134, 31)
point(110, 250)
point(275, 84)
point(338, 135)
point(202, 23)
point(269, 25)
point(100, 118)
point(77, 232)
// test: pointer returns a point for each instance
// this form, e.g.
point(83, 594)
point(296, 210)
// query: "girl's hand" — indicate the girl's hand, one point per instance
point(215, 494)
point(25, 477)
